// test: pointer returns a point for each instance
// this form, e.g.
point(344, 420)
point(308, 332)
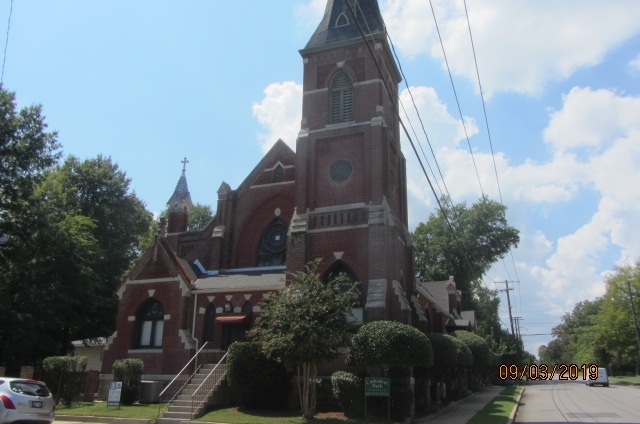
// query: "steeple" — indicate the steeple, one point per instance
point(338, 26)
point(179, 204)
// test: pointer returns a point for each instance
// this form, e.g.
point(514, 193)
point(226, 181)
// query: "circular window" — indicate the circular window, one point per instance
point(340, 170)
point(275, 238)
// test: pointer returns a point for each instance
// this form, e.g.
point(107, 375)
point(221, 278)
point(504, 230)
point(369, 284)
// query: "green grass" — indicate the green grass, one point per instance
point(236, 416)
point(100, 409)
point(627, 380)
point(226, 415)
point(498, 410)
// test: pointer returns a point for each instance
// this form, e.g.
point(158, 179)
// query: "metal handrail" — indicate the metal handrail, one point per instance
point(162, 405)
point(195, 392)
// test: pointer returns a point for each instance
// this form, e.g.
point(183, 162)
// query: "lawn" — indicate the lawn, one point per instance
point(100, 409)
point(226, 415)
point(498, 410)
point(237, 416)
point(627, 380)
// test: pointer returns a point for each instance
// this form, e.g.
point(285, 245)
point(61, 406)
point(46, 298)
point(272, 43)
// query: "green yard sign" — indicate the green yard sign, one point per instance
point(376, 386)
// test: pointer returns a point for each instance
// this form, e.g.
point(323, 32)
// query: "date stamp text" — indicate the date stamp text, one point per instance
point(547, 372)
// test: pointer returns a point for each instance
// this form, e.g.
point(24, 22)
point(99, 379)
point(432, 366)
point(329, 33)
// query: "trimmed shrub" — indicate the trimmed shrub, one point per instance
point(385, 344)
point(64, 376)
point(65, 363)
point(444, 350)
point(129, 372)
point(464, 357)
point(256, 381)
point(482, 357)
point(401, 399)
point(348, 388)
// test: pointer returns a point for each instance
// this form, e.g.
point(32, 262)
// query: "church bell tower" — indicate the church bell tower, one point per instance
point(351, 202)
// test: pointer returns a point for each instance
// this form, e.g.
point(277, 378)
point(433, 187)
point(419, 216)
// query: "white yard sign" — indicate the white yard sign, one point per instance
point(115, 389)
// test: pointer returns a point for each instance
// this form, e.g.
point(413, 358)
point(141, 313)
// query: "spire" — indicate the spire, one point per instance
point(337, 24)
point(179, 204)
point(181, 193)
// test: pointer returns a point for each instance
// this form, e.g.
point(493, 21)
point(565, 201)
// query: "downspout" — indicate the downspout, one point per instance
point(193, 325)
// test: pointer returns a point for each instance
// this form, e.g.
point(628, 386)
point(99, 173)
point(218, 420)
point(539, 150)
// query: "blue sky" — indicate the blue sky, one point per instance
point(150, 82)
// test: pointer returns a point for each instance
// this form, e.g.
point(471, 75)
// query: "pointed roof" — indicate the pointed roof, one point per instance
point(181, 192)
point(337, 24)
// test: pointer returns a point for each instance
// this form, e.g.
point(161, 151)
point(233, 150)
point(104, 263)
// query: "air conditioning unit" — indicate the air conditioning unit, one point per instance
point(150, 391)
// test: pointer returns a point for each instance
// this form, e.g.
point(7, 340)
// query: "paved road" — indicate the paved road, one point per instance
point(575, 402)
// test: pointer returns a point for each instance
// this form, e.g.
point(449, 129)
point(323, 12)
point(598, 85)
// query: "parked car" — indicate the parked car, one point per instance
point(603, 378)
point(25, 400)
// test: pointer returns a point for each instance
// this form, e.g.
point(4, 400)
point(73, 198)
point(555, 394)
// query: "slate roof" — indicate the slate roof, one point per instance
point(367, 14)
point(437, 290)
point(182, 190)
point(242, 281)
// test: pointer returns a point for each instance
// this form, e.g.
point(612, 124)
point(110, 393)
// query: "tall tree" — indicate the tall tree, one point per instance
point(306, 324)
point(617, 332)
point(84, 230)
point(26, 150)
point(463, 241)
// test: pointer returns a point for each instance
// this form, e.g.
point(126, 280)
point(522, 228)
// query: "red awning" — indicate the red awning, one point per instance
point(232, 319)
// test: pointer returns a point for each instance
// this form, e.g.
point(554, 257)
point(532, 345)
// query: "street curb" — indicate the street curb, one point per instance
point(92, 419)
point(513, 414)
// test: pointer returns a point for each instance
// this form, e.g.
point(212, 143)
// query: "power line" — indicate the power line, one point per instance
point(6, 42)
point(455, 93)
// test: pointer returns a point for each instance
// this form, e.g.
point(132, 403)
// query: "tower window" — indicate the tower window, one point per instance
point(340, 170)
point(278, 174)
point(341, 94)
point(342, 20)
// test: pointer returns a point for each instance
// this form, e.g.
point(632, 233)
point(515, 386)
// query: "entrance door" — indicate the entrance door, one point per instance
point(232, 333)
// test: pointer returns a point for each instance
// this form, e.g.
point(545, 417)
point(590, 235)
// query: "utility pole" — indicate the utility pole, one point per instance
point(517, 320)
point(508, 303)
point(635, 321)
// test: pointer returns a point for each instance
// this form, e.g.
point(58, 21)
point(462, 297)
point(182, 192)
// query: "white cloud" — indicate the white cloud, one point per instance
point(634, 65)
point(280, 112)
point(520, 46)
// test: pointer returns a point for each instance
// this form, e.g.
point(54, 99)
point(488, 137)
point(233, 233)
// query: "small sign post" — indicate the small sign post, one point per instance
point(115, 390)
point(376, 386)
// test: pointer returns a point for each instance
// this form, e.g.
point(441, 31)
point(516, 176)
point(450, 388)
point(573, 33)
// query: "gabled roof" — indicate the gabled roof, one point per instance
point(279, 152)
point(438, 291)
point(160, 261)
point(333, 30)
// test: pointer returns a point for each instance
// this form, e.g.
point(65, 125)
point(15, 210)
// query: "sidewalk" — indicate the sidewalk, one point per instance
point(460, 412)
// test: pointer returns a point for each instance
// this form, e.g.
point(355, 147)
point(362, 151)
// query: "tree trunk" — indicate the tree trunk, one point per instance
point(307, 388)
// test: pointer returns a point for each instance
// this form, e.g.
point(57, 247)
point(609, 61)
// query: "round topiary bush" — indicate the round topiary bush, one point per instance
point(464, 357)
point(348, 388)
point(384, 344)
point(445, 350)
point(256, 381)
point(482, 356)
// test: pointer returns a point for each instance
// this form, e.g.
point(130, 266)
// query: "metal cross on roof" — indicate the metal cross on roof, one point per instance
point(184, 164)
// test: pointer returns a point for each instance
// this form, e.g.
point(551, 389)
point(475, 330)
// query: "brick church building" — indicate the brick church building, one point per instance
point(341, 196)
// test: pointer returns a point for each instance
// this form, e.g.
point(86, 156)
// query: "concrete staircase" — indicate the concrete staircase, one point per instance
point(180, 409)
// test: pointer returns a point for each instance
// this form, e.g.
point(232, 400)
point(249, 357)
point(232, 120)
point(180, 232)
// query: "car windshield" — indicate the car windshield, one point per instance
point(29, 388)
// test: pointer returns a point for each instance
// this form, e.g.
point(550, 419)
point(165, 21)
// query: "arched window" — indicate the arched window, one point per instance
point(341, 97)
point(273, 245)
point(247, 307)
point(338, 268)
point(209, 323)
point(150, 325)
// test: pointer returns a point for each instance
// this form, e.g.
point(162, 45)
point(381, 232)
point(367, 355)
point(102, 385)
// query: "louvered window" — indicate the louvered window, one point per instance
point(341, 98)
